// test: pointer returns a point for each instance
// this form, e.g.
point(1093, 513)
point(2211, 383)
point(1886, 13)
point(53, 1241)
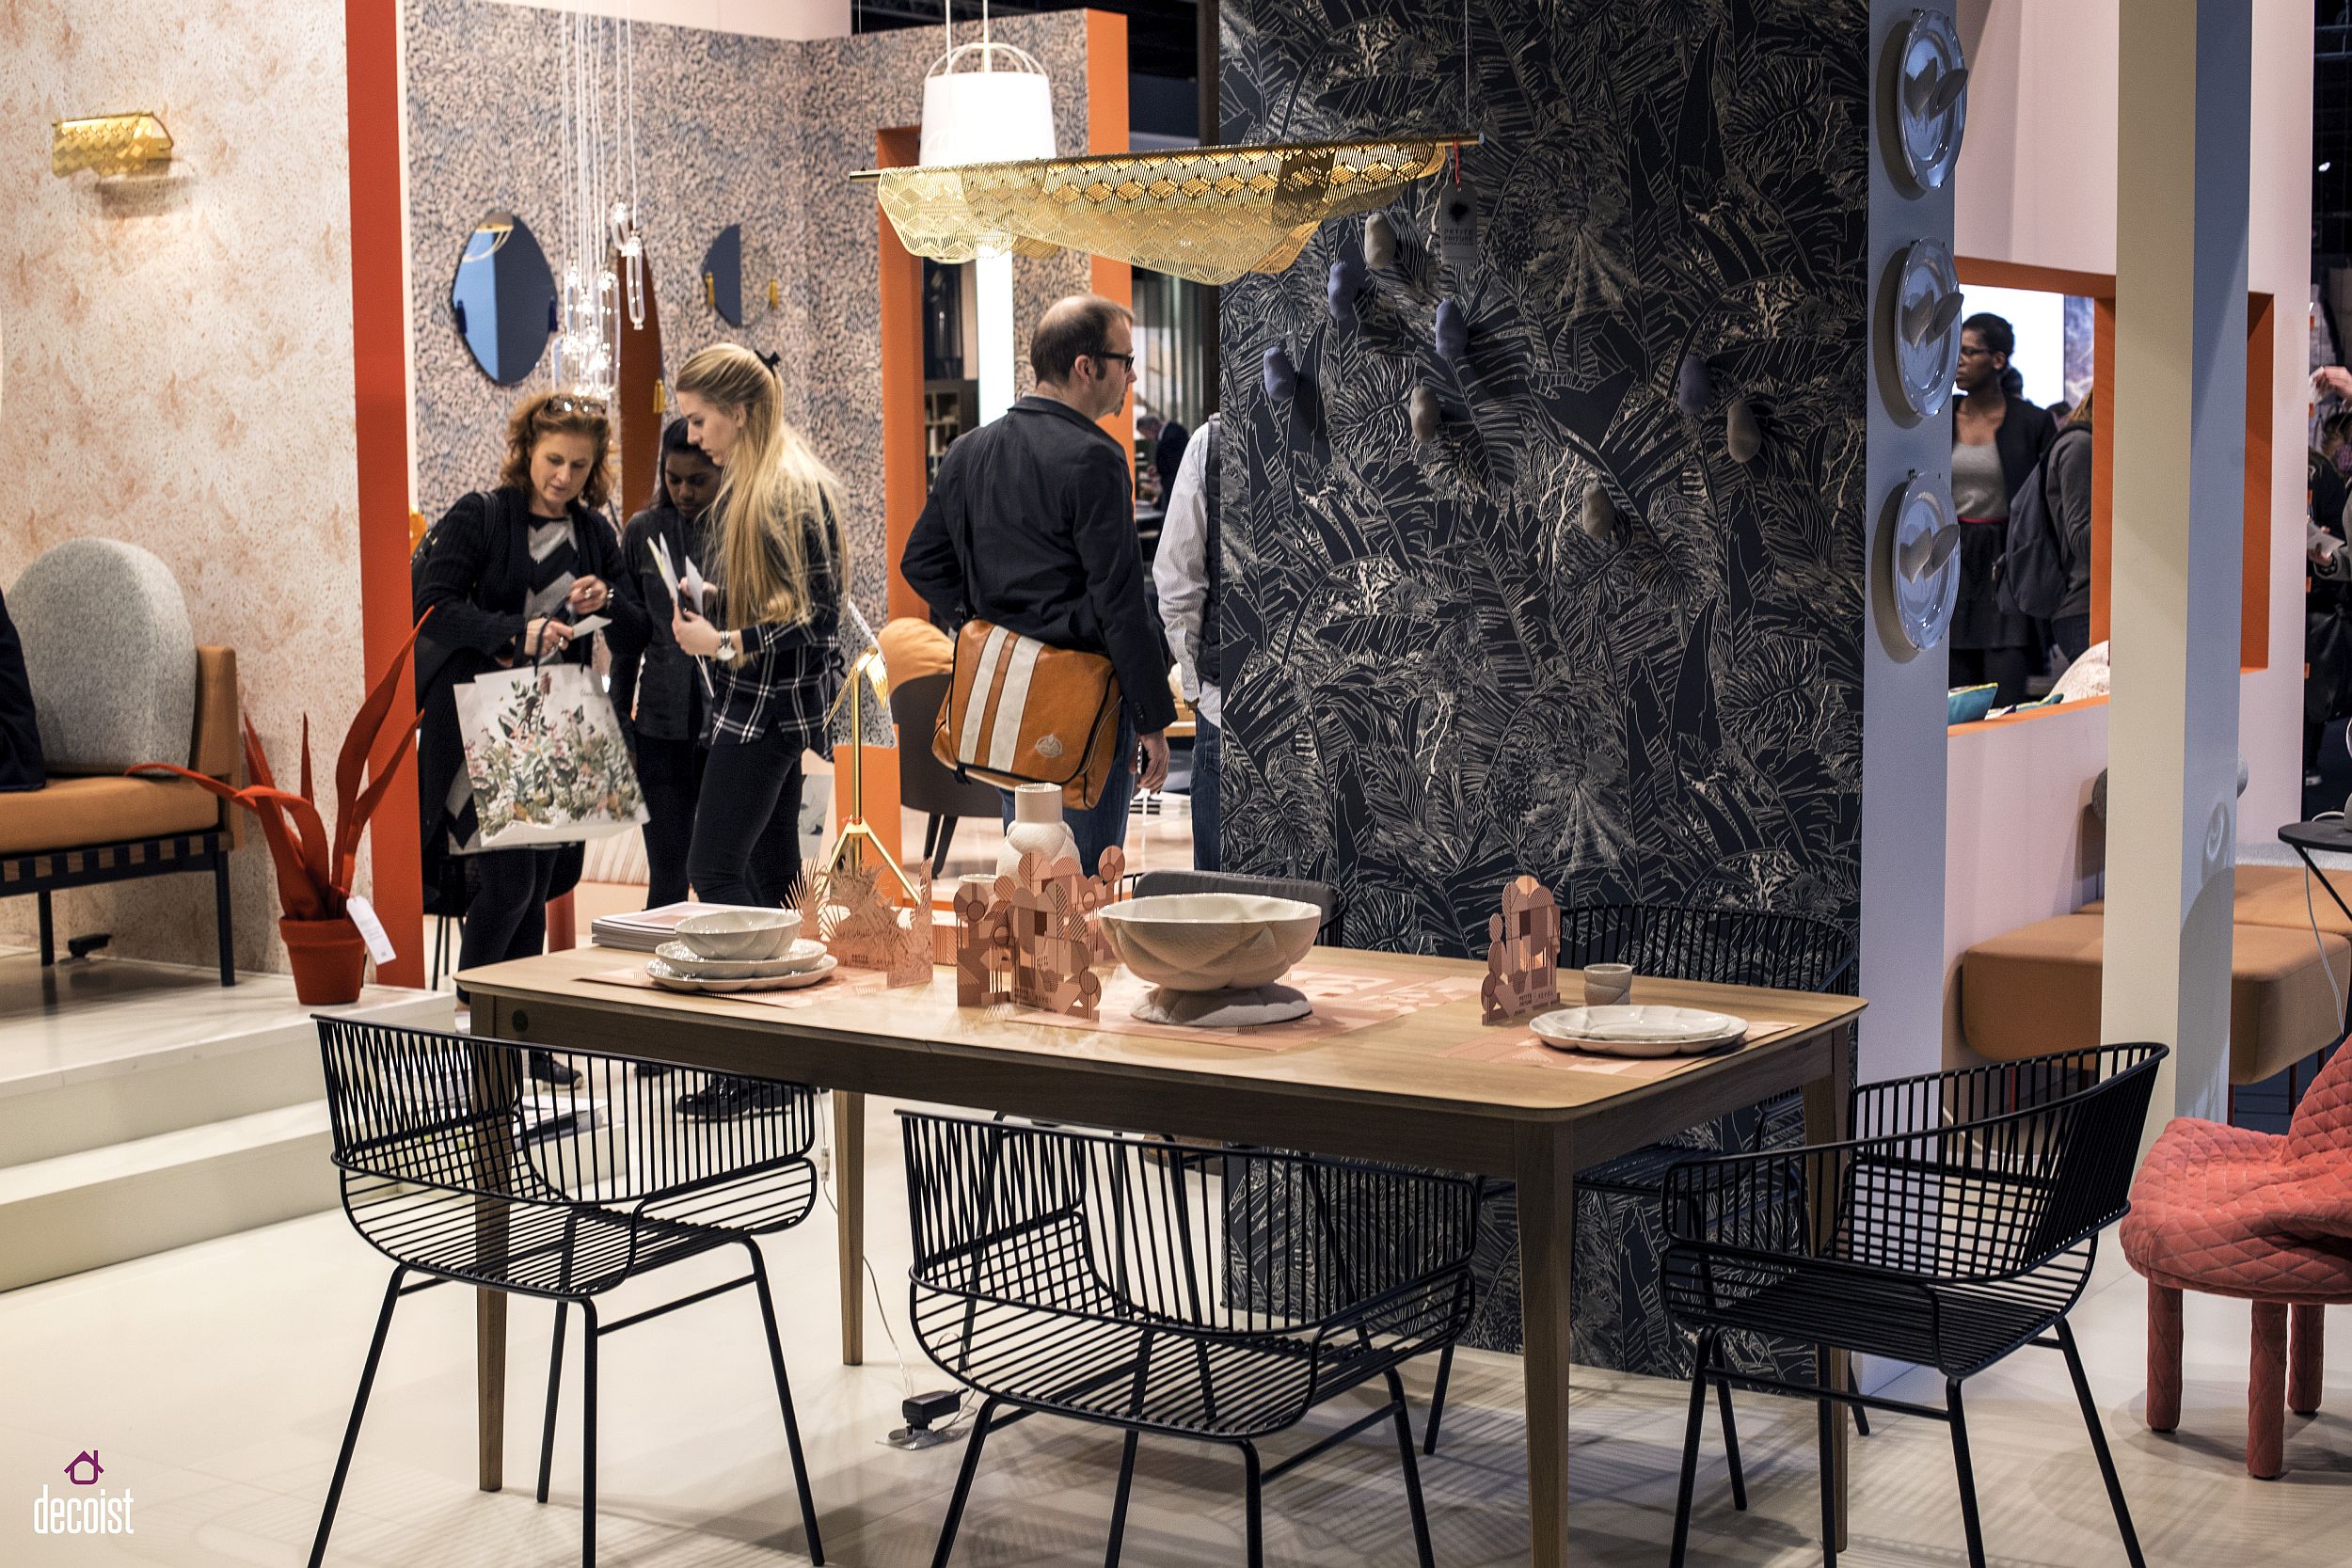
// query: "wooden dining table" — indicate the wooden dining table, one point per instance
point(1428, 1086)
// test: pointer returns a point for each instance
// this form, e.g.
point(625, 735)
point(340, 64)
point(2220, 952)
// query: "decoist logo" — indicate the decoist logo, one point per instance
point(76, 1511)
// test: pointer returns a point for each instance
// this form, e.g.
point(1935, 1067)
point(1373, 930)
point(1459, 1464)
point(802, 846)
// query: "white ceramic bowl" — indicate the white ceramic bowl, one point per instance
point(1211, 941)
point(740, 934)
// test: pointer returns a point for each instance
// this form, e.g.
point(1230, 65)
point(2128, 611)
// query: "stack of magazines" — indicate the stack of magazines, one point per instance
point(643, 930)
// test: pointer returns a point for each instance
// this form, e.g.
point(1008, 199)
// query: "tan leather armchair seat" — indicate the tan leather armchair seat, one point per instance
point(2036, 990)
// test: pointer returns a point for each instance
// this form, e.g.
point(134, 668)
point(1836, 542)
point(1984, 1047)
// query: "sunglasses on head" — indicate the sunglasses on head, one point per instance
point(573, 403)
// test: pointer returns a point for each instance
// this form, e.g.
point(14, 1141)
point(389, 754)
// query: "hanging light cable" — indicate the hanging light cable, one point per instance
point(596, 57)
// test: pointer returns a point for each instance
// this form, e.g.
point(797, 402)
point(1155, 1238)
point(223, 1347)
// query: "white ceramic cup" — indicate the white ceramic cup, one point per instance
point(1607, 985)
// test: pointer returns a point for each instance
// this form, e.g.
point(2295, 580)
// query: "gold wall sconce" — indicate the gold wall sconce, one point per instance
point(109, 145)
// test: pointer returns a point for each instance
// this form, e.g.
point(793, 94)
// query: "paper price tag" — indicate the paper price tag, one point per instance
point(370, 929)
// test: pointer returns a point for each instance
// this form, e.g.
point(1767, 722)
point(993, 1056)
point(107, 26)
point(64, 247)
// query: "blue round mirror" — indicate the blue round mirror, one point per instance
point(503, 300)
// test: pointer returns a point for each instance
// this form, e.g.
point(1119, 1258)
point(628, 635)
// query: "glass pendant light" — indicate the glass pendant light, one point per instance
point(986, 102)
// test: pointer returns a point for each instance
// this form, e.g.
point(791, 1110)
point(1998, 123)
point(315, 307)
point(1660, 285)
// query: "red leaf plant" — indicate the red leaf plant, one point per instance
point(314, 877)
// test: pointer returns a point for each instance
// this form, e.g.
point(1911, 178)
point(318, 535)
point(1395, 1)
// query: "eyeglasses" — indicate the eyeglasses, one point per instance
point(1129, 359)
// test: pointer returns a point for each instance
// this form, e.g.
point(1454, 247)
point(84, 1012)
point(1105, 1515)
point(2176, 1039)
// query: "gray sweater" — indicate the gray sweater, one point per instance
point(2069, 495)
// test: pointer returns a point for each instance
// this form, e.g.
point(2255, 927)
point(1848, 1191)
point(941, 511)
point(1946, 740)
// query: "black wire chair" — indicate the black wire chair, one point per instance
point(1176, 1290)
point(1732, 947)
point(1957, 1225)
point(459, 1167)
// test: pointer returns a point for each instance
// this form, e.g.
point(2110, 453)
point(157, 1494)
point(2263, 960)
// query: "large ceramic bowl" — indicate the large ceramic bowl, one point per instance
point(1211, 941)
point(740, 934)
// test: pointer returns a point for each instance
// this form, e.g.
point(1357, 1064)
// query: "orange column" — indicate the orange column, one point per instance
point(2102, 463)
point(2253, 627)
point(1107, 132)
point(904, 486)
point(379, 343)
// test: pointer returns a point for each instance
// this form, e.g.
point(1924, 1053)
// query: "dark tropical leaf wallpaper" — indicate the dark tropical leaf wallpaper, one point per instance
point(1437, 677)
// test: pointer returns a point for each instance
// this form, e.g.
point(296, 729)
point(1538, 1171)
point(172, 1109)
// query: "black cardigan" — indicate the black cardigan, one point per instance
point(655, 686)
point(472, 570)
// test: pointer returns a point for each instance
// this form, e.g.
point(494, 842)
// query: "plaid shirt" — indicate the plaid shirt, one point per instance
point(788, 674)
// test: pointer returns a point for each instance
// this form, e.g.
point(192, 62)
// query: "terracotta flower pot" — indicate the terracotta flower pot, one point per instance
point(329, 959)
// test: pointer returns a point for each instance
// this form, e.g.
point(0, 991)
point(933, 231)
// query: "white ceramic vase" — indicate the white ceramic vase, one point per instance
point(1036, 827)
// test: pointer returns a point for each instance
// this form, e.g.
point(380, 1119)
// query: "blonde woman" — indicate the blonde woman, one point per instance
point(773, 640)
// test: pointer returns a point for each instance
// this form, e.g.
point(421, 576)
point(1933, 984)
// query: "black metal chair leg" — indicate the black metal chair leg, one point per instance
point(1691, 1430)
point(1437, 1399)
point(783, 1397)
point(48, 930)
point(1826, 1410)
point(588, 1435)
point(1853, 1385)
point(1731, 1445)
point(1119, 1504)
point(947, 842)
point(1412, 1471)
point(962, 1493)
point(555, 1383)
point(1253, 1507)
point(1968, 1474)
point(222, 927)
point(358, 1403)
point(2099, 1445)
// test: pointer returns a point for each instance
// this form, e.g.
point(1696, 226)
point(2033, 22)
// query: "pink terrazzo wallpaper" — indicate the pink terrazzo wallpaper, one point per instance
point(178, 373)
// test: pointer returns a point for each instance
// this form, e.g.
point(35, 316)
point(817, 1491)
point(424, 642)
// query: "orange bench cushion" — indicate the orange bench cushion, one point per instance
point(2036, 990)
point(2273, 896)
point(103, 808)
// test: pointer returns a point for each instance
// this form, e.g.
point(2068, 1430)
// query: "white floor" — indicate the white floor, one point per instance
point(214, 1383)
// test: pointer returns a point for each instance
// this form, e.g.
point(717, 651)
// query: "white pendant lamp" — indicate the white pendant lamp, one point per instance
point(988, 102)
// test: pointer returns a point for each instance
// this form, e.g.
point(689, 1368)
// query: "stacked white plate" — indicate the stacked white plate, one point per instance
point(1639, 1031)
point(675, 966)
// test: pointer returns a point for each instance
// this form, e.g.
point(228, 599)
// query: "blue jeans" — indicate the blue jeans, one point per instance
point(1207, 742)
point(1104, 823)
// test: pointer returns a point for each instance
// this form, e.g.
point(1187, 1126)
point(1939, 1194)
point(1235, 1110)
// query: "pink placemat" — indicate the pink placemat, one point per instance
point(1522, 1048)
point(1344, 999)
point(802, 996)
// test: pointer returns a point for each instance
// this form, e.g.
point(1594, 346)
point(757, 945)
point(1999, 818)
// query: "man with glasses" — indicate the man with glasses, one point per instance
point(1031, 525)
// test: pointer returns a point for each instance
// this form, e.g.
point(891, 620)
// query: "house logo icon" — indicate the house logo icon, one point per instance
point(72, 1512)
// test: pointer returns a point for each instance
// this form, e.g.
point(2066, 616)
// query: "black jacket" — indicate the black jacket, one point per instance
point(656, 690)
point(1031, 525)
point(472, 570)
point(1985, 616)
point(21, 762)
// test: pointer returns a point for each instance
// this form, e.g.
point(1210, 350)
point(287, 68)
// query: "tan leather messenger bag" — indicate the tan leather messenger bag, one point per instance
point(1021, 712)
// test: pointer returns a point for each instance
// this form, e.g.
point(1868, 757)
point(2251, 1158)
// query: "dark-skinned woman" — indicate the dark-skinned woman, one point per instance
point(1998, 441)
point(662, 692)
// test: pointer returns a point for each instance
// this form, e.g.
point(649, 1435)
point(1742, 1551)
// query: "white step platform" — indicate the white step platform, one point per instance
point(145, 1106)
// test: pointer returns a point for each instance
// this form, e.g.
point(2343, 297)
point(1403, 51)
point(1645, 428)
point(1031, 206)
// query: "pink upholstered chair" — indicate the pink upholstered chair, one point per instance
point(2262, 1217)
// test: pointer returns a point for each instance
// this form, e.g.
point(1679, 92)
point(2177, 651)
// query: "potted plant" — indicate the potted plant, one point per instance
point(314, 873)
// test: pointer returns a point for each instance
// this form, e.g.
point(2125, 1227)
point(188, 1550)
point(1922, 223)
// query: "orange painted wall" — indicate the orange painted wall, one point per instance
point(2254, 580)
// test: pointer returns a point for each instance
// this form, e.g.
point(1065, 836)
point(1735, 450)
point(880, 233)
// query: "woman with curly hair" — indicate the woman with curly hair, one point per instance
point(504, 572)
